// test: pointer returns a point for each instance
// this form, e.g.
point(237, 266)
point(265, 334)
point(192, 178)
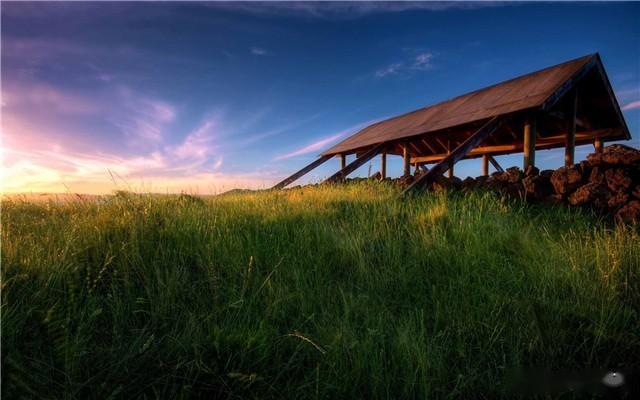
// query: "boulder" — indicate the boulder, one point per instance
point(586, 194)
point(499, 177)
point(455, 182)
point(531, 171)
point(630, 213)
point(547, 173)
point(552, 200)
point(597, 175)
point(616, 200)
point(468, 183)
point(615, 154)
point(481, 181)
point(618, 179)
point(440, 183)
point(566, 180)
point(514, 175)
point(406, 180)
point(537, 187)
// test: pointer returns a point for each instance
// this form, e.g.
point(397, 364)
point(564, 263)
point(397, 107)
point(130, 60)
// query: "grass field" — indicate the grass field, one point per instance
point(319, 292)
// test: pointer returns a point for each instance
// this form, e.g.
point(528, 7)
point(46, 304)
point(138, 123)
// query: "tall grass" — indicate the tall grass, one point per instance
point(318, 292)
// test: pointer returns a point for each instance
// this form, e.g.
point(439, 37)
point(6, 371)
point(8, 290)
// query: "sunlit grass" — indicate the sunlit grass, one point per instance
point(319, 292)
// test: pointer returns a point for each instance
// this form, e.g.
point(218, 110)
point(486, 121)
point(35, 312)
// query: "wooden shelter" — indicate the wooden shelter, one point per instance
point(566, 105)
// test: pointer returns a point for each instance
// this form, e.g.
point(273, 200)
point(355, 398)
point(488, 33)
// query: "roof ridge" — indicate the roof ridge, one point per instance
point(480, 90)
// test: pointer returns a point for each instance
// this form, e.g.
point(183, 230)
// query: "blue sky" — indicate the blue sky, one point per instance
point(205, 97)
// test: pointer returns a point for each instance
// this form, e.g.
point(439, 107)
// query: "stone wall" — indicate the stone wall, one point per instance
point(608, 183)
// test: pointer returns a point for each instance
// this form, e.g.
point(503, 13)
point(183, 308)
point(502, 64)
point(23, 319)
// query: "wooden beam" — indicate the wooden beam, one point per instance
point(450, 170)
point(530, 142)
point(495, 164)
point(355, 164)
point(570, 138)
point(457, 154)
point(383, 165)
point(406, 158)
point(437, 139)
point(426, 143)
point(343, 161)
point(485, 164)
point(541, 144)
point(598, 144)
point(302, 172)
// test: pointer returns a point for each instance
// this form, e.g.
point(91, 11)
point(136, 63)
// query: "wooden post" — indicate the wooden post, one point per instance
point(530, 142)
point(383, 165)
point(450, 171)
point(407, 159)
point(343, 161)
point(570, 139)
point(598, 145)
point(485, 164)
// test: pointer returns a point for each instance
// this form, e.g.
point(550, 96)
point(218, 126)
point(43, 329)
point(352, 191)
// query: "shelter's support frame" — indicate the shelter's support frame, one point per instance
point(383, 165)
point(542, 143)
point(598, 145)
point(450, 171)
point(358, 162)
point(302, 172)
point(485, 164)
point(406, 158)
point(458, 153)
point(570, 139)
point(495, 164)
point(530, 132)
point(343, 160)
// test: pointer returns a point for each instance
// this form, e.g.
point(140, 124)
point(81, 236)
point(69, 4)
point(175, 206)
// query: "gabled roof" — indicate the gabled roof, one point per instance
point(534, 90)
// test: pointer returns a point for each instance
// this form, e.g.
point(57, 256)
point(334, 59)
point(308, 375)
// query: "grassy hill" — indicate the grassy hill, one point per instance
point(318, 292)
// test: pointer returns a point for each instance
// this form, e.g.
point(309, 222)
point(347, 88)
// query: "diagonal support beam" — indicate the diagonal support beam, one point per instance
point(358, 162)
point(457, 154)
point(495, 164)
point(302, 172)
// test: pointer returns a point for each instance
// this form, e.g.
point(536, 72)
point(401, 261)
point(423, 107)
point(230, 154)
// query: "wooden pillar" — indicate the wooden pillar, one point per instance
point(383, 165)
point(598, 145)
point(570, 139)
point(485, 164)
point(407, 159)
point(450, 171)
point(530, 142)
point(343, 161)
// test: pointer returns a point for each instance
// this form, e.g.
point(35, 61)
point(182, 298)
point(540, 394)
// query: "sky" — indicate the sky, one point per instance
point(207, 97)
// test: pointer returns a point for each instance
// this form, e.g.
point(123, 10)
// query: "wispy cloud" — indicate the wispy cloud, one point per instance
point(196, 144)
point(253, 138)
point(311, 148)
point(343, 10)
point(422, 61)
point(389, 70)
point(258, 51)
point(322, 143)
point(46, 97)
point(419, 62)
point(634, 105)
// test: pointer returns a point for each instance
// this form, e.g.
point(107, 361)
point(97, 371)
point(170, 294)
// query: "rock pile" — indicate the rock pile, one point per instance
point(608, 182)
